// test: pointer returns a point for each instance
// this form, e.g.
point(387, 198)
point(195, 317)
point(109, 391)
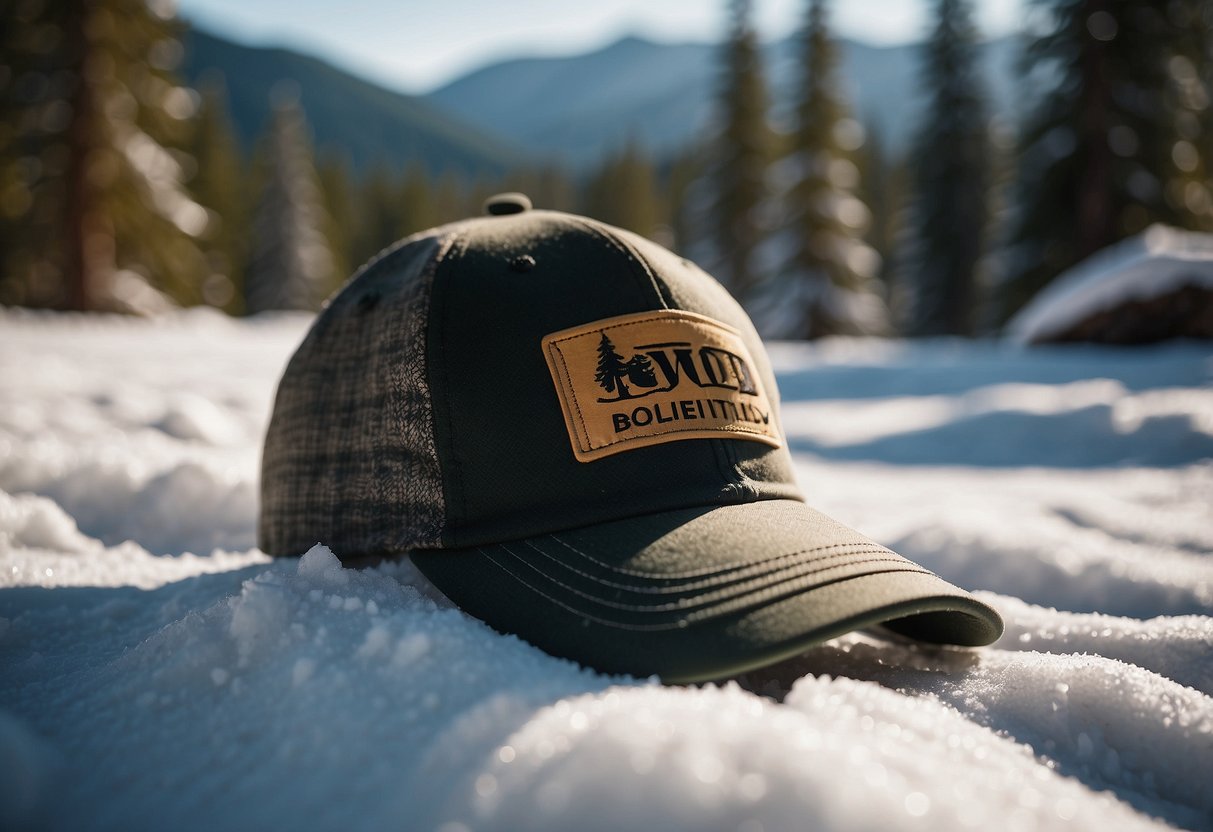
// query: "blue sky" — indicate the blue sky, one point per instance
point(416, 45)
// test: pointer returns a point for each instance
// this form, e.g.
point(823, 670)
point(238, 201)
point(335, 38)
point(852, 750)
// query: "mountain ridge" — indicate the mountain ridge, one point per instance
point(678, 80)
point(349, 115)
point(570, 109)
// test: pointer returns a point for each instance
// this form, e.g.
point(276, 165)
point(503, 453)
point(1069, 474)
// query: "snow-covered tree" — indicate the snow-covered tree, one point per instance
point(1120, 139)
point(291, 266)
point(883, 174)
point(823, 273)
point(724, 206)
point(219, 185)
point(92, 208)
point(951, 170)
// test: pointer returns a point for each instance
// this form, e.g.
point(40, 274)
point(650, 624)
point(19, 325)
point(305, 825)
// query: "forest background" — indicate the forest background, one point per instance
point(125, 183)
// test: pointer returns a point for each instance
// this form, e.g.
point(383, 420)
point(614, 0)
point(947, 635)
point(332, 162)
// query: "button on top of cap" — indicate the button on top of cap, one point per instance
point(499, 205)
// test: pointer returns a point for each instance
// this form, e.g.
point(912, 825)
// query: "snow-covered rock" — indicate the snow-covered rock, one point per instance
point(1154, 286)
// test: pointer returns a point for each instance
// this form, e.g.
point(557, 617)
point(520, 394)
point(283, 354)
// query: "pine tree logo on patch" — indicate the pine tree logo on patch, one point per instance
point(613, 371)
point(663, 376)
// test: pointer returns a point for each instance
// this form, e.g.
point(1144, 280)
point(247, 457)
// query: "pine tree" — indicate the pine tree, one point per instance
point(342, 211)
point(951, 165)
point(1115, 144)
point(380, 214)
point(825, 274)
point(548, 186)
point(611, 369)
point(553, 189)
point(291, 265)
point(683, 170)
point(219, 186)
point(451, 199)
point(882, 187)
point(725, 206)
point(92, 205)
point(415, 200)
point(623, 192)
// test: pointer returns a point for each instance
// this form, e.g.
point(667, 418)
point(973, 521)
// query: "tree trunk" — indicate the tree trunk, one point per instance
point(89, 258)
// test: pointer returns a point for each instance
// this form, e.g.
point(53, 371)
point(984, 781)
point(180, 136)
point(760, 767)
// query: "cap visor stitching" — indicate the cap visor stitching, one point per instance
point(801, 586)
point(722, 568)
point(749, 587)
point(757, 570)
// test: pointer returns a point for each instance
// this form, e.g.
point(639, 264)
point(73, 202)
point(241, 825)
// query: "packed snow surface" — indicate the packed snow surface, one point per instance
point(158, 672)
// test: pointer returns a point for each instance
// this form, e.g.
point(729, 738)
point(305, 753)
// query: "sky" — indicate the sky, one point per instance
point(415, 46)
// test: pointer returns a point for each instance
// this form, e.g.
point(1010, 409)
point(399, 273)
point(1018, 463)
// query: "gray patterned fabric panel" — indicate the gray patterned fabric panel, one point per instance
point(350, 457)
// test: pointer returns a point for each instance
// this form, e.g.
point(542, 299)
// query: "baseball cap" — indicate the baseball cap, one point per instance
point(575, 434)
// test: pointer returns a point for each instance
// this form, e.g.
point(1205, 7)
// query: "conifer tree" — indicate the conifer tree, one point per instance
point(554, 189)
point(92, 206)
point(548, 186)
point(611, 369)
point(1115, 144)
point(343, 213)
point(623, 192)
point(725, 205)
point(291, 266)
point(682, 172)
point(825, 274)
point(219, 186)
point(380, 215)
point(882, 187)
point(451, 199)
point(416, 208)
point(951, 166)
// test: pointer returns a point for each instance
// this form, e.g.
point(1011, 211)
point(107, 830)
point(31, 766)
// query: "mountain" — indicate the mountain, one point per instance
point(572, 108)
point(661, 94)
point(581, 106)
point(348, 115)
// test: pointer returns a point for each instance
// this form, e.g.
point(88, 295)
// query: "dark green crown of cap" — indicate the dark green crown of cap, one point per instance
point(419, 411)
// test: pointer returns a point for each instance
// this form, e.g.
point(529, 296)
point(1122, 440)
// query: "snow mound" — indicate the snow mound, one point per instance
point(1097, 719)
point(194, 417)
point(1176, 647)
point(449, 725)
point(28, 521)
point(123, 429)
point(116, 500)
point(845, 754)
point(40, 545)
point(1156, 262)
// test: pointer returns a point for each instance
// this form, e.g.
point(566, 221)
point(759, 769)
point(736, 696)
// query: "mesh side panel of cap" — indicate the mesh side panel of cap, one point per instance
point(350, 457)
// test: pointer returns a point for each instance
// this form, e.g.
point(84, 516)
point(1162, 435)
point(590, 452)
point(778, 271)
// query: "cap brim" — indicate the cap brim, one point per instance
point(702, 593)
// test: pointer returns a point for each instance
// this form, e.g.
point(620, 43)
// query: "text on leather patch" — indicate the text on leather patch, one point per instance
point(637, 380)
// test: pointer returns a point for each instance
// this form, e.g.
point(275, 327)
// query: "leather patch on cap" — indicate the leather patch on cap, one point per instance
point(653, 377)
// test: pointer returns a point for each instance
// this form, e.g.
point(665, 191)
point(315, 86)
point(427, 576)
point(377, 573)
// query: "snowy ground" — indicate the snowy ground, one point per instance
point(157, 672)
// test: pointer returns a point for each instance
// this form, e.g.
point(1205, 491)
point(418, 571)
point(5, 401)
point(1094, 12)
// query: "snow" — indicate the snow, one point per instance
point(1156, 262)
point(157, 671)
